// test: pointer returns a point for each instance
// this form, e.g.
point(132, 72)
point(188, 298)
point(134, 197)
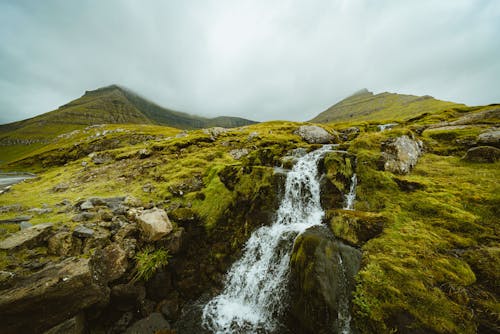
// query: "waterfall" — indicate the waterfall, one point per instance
point(255, 286)
point(343, 314)
point(351, 196)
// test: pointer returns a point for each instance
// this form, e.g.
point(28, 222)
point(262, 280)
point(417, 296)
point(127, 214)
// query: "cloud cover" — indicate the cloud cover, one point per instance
point(261, 59)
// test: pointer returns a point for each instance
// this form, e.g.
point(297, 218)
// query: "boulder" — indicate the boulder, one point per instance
point(51, 296)
point(30, 237)
point(355, 227)
point(482, 154)
point(154, 224)
point(111, 262)
point(86, 205)
point(83, 232)
point(64, 244)
point(401, 154)
point(152, 324)
point(489, 138)
point(314, 134)
point(75, 325)
point(321, 282)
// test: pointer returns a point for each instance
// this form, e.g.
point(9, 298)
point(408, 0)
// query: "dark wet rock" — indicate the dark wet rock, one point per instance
point(314, 134)
point(51, 296)
point(75, 325)
point(401, 154)
point(322, 277)
point(482, 154)
point(64, 244)
point(83, 232)
point(170, 307)
point(127, 297)
point(160, 286)
point(29, 238)
point(150, 325)
point(174, 241)
point(121, 325)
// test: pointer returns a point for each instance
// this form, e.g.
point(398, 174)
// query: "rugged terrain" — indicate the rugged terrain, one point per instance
point(128, 227)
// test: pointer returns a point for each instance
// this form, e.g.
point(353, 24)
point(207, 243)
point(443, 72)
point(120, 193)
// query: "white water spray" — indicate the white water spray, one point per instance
point(256, 284)
point(351, 196)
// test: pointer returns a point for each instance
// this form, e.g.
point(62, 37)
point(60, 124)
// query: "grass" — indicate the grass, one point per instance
point(148, 262)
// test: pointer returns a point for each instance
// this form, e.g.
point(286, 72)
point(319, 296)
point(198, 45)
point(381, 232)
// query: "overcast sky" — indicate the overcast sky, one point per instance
point(259, 59)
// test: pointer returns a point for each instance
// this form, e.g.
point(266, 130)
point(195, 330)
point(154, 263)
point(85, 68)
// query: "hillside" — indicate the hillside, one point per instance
point(108, 105)
point(366, 106)
point(420, 240)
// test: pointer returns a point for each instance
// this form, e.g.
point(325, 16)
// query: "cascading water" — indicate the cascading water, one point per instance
point(351, 196)
point(255, 286)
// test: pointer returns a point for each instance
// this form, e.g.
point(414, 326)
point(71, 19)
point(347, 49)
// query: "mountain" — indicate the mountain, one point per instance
point(107, 105)
point(366, 106)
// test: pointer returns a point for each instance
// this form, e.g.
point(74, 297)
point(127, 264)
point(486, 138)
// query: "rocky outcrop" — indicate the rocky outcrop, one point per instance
point(355, 227)
point(314, 134)
point(321, 282)
point(28, 238)
point(337, 168)
point(401, 154)
point(51, 296)
point(482, 154)
point(490, 138)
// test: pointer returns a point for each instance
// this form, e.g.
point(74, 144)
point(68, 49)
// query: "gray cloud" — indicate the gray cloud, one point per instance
point(263, 59)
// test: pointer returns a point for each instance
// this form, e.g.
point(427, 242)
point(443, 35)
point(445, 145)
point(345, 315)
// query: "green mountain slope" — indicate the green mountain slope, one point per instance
point(366, 106)
point(108, 105)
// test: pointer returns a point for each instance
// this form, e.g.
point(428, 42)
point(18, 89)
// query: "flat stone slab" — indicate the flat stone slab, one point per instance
point(29, 237)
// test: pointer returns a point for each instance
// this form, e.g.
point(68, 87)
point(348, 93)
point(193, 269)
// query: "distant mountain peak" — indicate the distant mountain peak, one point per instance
point(362, 91)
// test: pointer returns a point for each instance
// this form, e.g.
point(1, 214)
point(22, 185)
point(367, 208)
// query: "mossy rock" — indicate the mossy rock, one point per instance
point(355, 227)
point(338, 168)
point(321, 281)
point(482, 154)
point(183, 215)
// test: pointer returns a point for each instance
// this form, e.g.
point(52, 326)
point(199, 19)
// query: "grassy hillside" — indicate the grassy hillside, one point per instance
point(107, 105)
point(365, 106)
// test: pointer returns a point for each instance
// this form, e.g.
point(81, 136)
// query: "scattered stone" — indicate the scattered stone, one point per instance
point(349, 133)
point(64, 202)
point(84, 163)
point(148, 188)
point(131, 201)
point(83, 232)
point(60, 187)
point(401, 154)
point(25, 225)
point(64, 244)
point(10, 208)
point(181, 135)
point(383, 127)
point(314, 134)
point(29, 238)
point(239, 153)
point(100, 158)
point(154, 224)
point(489, 138)
point(252, 136)
point(87, 205)
point(214, 132)
point(15, 220)
point(144, 153)
point(152, 324)
point(482, 154)
point(75, 325)
point(40, 211)
point(51, 295)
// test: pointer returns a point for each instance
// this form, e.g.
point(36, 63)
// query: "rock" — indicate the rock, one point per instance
point(64, 244)
point(355, 227)
point(400, 155)
point(60, 187)
point(239, 153)
point(349, 133)
point(100, 158)
point(10, 208)
point(314, 134)
point(15, 220)
point(127, 297)
point(84, 163)
point(144, 153)
point(99, 239)
point(148, 188)
point(131, 201)
point(152, 324)
point(387, 126)
point(489, 138)
point(87, 205)
point(40, 211)
point(252, 136)
point(25, 225)
point(123, 323)
point(154, 224)
point(482, 154)
point(111, 262)
point(338, 169)
point(321, 281)
point(29, 238)
point(75, 325)
point(83, 232)
point(83, 216)
point(170, 306)
point(51, 296)
point(174, 241)
point(215, 132)
point(183, 215)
